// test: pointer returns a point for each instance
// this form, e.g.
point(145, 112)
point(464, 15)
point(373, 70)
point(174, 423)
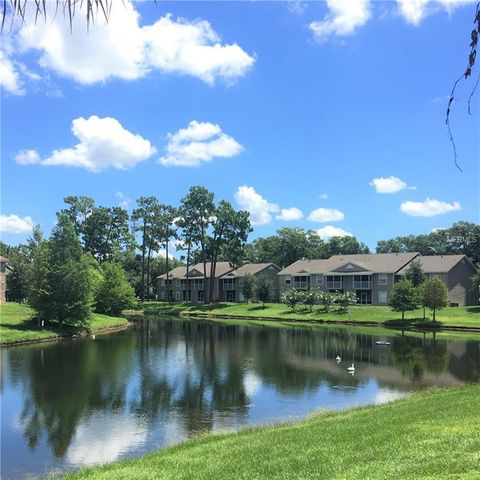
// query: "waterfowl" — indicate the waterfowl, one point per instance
point(338, 358)
point(351, 369)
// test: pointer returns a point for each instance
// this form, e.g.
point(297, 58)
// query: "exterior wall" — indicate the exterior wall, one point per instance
point(3, 281)
point(459, 283)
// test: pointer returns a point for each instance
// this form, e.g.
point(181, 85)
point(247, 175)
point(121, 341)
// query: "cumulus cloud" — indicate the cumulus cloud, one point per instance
point(344, 18)
point(260, 209)
point(289, 214)
point(414, 11)
point(123, 200)
point(27, 157)
point(429, 208)
point(104, 143)
point(330, 231)
point(389, 185)
point(326, 215)
point(15, 224)
point(10, 76)
point(125, 49)
point(199, 143)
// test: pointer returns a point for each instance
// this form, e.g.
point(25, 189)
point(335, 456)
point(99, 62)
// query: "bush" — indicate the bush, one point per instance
point(326, 299)
point(291, 298)
point(115, 293)
point(310, 298)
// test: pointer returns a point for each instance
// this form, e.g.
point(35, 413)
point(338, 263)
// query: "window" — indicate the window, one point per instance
point(177, 295)
point(382, 297)
point(301, 282)
point(177, 282)
point(319, 279)
point(335, 282)
point(198, 283)
point(183, 284)
point(288, 280)
point(201, 295)
point(361, 281)
point(228, 283)
point(349, 266)
point(382, 279)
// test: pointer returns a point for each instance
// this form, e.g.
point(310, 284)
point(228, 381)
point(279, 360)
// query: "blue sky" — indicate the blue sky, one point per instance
point(300, 112)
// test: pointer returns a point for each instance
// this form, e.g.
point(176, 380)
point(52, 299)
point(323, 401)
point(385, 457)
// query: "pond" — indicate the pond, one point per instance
point(72, 404)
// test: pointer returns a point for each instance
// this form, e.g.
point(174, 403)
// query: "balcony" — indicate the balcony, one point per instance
point(362, 284)
point(301, 285)
point(334, 283)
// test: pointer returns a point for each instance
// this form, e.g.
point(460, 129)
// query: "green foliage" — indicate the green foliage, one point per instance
point(248, 287)
point(435, 295)
point(326, 299)
point(345, 300)
point(115, 293)
point(291, 298)
point(404, 297)
point(462, 238)
point(263, 290)
point(61, 286)
point(310, 298)
point(415, 273)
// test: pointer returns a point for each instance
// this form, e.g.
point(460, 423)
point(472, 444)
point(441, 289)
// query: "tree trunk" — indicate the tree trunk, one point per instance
point(167, 266)
point(148, 270)
point(189, 294)
point(433, 319)
point(403, 314)
point(143, 260)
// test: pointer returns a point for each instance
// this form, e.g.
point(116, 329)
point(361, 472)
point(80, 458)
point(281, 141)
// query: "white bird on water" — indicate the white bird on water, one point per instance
point(338, 359)
point(351, 369)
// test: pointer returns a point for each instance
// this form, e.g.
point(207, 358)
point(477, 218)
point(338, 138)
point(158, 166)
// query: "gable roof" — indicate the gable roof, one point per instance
point(250, 268)
point(181, 272)
point(365, 263)
point(438, 263)
point(3, 259)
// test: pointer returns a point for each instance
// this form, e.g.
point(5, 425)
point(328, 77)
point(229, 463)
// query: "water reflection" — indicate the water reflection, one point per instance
point(67, 405)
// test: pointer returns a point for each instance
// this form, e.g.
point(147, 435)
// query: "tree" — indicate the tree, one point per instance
point(79, 210)
point(310, 297)
point(345, 300)
point(415, 273)
point(144, 214)
point(344, 246)
point(404, 296)
point(435, 295)
point(291, 298)
point(476, 283)
point(200, 207)
point(263, 290)
point(326, 299)
point(248, 287)
point(61, 284)
point(115, 293)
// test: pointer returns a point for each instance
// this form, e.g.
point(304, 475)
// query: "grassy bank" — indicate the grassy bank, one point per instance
point(17, 325)
point(433, 434)
point(461, 317)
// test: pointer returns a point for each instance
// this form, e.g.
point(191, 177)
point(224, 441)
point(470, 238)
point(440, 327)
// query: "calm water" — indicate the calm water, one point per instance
point(71, 404)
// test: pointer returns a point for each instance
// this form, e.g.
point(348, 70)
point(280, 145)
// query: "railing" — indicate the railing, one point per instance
point(361, 284)
point(334, 285)
point(301, 285)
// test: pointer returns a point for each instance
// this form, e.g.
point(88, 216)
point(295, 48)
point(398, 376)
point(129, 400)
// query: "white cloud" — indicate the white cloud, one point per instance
point(123, 49)
point(123, 201)
point(330, 231)
point(324, 196)
point(27, 157)
point(344, 18)
point(298, 7)
point(199, 143)
point(389, 185)
point(10, 76)
point(15, 224)
point(326, 215)
point(288, 214)
point(414, 11)
point(104, 143)
point(429, 208)
point(259, 208)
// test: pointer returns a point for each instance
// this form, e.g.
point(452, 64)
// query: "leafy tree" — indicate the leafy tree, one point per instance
point(326, 299)
point(476, 283)
point(415, 273)
point(344, 246)
point(291, 298)
point(248, 287)
point(345, 300)
point(115, 293)
point(404, 296)
point(263, 289)
point(435, 295)
point(310, 297)
point(79, 210)
point(61, 284)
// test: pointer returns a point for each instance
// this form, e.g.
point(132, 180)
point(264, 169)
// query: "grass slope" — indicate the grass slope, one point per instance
point(17, 324)
point(465, 317)
point(430, 435)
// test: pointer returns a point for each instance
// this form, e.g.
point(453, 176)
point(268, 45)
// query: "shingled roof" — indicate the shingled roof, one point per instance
point(359, 263)
point(438, 263)
point(249, 268)
point(196, 271)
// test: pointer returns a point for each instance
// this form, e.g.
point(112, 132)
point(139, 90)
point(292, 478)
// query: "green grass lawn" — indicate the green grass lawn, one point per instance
point(17, 324)
point(465, 317)
point(429, 435)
